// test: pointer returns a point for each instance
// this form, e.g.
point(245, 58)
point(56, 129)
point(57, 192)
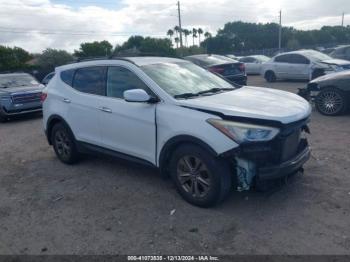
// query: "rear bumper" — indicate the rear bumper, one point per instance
point(285, 168)
point(239, 79)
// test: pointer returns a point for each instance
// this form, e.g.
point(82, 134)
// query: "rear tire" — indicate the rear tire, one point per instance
point(200, 178)
point(64, 144)
point(3, 119)
point(270, 77)
point(331, 102)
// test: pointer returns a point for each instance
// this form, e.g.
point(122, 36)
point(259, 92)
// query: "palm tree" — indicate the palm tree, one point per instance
point(186, 33)
point(200, 31)
point(177, 30)
point(170, 33)
point(177, 40)
point(207, 35)
point(194, 34)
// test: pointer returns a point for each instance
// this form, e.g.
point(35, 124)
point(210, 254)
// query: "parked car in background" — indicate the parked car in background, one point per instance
point(20, 93)
point(342, 52)
point(47, 78)
point(233, 57)
point(253, 64)
point(208, 135)
point(230, 69)
point(302, 65)
point(331, 93)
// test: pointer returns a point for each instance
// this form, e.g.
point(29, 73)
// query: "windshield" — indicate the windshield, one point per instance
point(316, 56)
point(263, 58)
point(7, 81)
point(183, 77)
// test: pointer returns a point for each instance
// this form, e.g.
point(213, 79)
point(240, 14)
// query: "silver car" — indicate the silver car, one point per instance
point(20, 93)
point(302, 65)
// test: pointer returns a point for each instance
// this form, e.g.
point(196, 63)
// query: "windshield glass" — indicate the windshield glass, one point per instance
point(262, 58)
point(7, 81)
point(316, 56)
point(183, 77)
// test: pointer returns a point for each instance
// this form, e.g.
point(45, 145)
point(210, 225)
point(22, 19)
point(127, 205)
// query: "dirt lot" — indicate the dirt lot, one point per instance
point(107, 206)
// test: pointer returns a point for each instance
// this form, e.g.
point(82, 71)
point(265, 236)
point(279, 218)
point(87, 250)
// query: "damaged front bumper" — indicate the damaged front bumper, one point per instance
point(285, 168)
point(279, 158)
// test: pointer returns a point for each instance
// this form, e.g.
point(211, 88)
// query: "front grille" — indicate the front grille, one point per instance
point(289, 145)
point(26, 97)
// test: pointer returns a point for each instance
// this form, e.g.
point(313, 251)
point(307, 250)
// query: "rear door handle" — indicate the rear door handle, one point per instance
point(66, 100)
point(105, 109)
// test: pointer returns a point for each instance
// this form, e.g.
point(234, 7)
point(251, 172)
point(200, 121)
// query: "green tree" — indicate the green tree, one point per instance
point(52, 58)
point(13, 58)
point(177, 40)
point(94, 49)
point(170, 33)
point(200, 32)
point(186, 33)
point(207, 35)
point(194, 35)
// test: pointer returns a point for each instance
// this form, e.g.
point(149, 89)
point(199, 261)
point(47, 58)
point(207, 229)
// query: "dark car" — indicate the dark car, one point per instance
point(230, 69)
point(331, 93)
point(342, 52)
point(20, 93)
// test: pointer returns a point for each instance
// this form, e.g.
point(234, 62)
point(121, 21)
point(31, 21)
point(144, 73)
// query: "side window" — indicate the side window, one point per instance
point(120, 79)
point(90, 80)
point(299, 59)
point(67, 76)
point(283, 59)
point(248, 60)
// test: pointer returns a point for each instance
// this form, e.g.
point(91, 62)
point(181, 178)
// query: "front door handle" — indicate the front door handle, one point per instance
point(66, 100)
point(105, 109)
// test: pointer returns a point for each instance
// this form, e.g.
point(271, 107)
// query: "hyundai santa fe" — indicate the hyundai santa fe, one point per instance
point(208, 135)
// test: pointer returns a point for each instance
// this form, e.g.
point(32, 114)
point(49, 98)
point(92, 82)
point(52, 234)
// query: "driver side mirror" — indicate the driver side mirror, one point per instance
point(138, 96)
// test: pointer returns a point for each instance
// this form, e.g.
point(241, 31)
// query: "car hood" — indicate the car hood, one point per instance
point(22, 89)
point(338, 62)
point(254, 102)
point(334, 76)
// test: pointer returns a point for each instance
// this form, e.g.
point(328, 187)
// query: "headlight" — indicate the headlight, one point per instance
point(241, 132)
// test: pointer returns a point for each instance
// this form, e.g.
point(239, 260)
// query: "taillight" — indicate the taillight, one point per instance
point(43, 97)
point(242, 67)
point(218, 70)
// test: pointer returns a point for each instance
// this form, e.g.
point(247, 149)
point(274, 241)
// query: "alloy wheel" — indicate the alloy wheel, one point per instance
point(193, 176)
point(63, 144)
point(330, 102)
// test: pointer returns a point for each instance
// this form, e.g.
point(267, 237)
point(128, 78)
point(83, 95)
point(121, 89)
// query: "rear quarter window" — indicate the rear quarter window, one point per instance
point(67, 76)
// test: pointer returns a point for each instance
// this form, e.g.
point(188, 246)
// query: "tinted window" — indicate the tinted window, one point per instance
point(283, 59)
point(120, 79)
point(299, 59)
point(210, 60)
point(247, 60)
point(90, 80)
point(67, 76)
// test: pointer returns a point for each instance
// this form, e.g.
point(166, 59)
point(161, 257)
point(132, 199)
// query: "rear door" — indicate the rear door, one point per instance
point(282, 65)
point(300, 67)
point(88, 93)
point(126, 127)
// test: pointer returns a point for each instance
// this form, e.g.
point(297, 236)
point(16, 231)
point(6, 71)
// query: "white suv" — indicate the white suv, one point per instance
point(210, 136)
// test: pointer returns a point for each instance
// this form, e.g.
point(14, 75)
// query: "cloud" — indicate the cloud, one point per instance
point(39, 24)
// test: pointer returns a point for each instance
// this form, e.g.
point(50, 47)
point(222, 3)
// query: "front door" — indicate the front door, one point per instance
point(128, 127)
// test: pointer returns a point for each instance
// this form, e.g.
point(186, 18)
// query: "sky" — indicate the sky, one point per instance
point(63, 24)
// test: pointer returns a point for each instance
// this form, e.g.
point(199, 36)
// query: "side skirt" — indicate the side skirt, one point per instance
point(86, 148)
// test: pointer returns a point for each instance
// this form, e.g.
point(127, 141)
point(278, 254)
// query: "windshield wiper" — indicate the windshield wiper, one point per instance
point(215, 90)
point(186, 95)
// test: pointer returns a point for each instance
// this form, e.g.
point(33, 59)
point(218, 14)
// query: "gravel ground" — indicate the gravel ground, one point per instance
point(108, 206)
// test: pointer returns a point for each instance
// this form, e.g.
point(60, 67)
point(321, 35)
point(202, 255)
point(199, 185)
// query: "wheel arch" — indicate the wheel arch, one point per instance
point(174, 143)
point(51, 122)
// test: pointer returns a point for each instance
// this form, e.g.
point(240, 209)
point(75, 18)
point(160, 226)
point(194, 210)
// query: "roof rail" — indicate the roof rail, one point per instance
point(103, 58)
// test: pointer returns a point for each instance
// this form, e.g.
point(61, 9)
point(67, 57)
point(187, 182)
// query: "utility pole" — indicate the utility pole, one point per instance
point(342, 20)
point(179, 12)
point(280, 33)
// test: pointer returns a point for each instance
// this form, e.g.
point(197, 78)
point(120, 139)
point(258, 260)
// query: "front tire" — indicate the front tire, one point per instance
point(64, 144)
point(270, 77)
point(331, 102)
point(200, 178)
